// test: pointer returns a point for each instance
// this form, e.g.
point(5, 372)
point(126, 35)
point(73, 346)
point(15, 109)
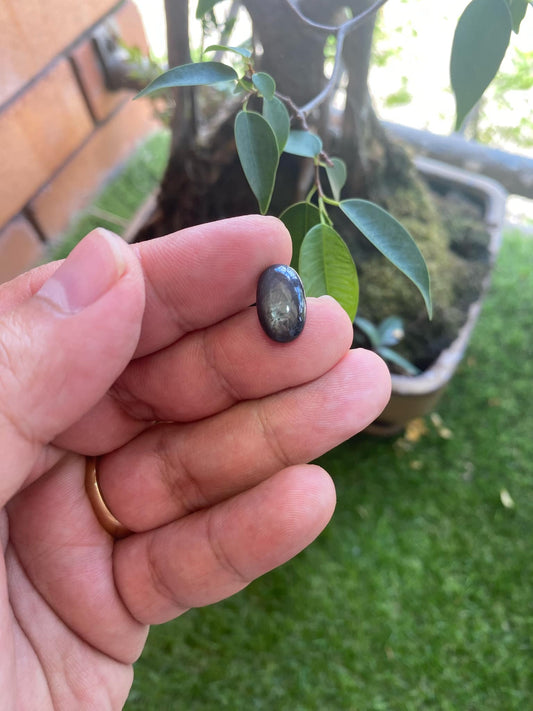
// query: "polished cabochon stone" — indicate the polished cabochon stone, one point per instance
point(280, 303)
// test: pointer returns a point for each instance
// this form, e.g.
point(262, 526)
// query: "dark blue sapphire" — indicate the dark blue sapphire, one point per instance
point(280, 302)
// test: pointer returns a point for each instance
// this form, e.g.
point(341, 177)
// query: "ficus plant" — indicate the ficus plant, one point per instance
point(321, 256)
point(383, 338)
point(269, 124)
point(482, 36)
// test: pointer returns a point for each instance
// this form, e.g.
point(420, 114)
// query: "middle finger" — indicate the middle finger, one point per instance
point(209, 370)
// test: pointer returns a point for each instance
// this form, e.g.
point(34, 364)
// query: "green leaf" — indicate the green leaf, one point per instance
point(205, 6)
point(258, 152)
point(337, 175)
point(275, 112)
point(481, 39)
point(225, 48)
point(196, 74)
point(370, 331)
point(392, 240)
point(518, 12)
point(392, 357)
point(303, 143)
point(298, 219)
point(244, 85)
point(265, 84)
point(391, 331)
point(326, 267)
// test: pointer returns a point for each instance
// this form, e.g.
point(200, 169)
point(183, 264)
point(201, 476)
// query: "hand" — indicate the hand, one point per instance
point(149, 357)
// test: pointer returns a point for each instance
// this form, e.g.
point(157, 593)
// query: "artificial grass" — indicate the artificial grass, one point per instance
point(121, 196)
point(418, 594)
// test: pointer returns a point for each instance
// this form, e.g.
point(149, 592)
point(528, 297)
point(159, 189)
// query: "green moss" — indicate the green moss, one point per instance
point(448, 230)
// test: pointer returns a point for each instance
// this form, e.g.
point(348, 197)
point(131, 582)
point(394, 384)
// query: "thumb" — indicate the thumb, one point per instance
point(62, 349)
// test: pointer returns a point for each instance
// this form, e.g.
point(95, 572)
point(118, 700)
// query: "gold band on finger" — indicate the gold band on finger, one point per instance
point(106, 519)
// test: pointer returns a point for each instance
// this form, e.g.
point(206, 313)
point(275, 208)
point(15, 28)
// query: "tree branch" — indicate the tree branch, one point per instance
point(341, 32)
point(349, 24)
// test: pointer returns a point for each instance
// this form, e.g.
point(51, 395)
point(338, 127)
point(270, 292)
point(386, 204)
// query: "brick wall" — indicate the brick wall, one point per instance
point(62, 133)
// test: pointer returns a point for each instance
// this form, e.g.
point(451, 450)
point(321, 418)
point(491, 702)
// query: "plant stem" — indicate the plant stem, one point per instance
point(330, 201)
point(295, 109)
point(324, 217)
point(310, 194)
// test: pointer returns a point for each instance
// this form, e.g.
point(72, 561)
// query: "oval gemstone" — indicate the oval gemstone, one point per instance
point(280, 303)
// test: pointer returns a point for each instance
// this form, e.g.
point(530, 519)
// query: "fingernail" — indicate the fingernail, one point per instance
point(90, 270)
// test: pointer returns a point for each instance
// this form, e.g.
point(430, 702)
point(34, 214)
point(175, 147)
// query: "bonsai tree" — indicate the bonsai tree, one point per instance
point(274, 108)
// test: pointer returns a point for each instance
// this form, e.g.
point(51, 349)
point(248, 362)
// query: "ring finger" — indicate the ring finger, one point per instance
point(216, 552)
point(172, 470)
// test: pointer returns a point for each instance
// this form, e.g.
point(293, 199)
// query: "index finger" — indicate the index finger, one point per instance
point(193, 278)
point(201, 275)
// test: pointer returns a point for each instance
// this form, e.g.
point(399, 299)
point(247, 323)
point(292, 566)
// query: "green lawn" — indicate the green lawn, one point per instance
point(419, 593)
point(122, 195)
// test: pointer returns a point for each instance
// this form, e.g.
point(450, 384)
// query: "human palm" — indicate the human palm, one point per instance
point(154, 362)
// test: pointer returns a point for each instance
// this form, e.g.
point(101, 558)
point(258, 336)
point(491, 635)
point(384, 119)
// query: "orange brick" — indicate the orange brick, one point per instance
point(128, 25)
point(75, 185)
point(39, 132)
point(101, 101)
point(33, 32)
point(20, 248)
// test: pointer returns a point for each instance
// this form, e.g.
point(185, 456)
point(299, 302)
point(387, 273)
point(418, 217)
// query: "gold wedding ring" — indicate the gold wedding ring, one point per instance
point(106, 519)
